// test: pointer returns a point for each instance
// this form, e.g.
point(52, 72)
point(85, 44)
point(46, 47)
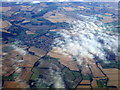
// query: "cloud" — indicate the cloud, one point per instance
point(35, 2)
point(57, 79)
point(87, 39)
point(20, 50)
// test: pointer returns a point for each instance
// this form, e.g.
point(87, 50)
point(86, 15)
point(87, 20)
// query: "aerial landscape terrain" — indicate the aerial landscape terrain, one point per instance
point(59, 45)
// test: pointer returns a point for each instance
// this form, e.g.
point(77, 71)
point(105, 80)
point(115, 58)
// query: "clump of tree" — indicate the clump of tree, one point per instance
point(51, 7)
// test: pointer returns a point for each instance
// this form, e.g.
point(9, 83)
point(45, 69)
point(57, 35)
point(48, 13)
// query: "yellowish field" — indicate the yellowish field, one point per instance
point(82, 7)
point(9, 62)
point(26, 8)
point(29, 32)
point(113, 76)
point(4, 9)
point(116, 26)
point(108, 14)
point(85, 82)
point(37, 51)
point(3, 45)
point(94, 83)
point(96, 71)
point(83, 86)
point(68, 8)
point(13, 84)
point(26, 21)
point(25, 74)
point(29, 60)
point(58, 17)
point(113, 83)
point(111, 71)
point(53, 30)
point(4, 31)
point(4, 24)
point(107, 19)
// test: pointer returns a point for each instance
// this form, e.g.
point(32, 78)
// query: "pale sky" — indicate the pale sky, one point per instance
point(63, 0)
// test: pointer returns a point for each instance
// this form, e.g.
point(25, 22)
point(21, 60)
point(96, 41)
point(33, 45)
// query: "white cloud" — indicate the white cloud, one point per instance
point(20, 50)
point(35, 2)
point(57, 79)
point(87, 39)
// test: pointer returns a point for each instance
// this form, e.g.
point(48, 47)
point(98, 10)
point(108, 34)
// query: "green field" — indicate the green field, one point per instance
point(35, 74)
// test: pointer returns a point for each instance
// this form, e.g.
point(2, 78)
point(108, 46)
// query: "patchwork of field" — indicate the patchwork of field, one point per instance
point(56, 17)
point(113, 75)
point(68, 8)
point(39, 52)
point(65, 60)
point(29, 59)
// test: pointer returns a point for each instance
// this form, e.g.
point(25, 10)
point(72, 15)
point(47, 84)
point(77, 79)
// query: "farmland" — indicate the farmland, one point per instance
point(59, 45)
